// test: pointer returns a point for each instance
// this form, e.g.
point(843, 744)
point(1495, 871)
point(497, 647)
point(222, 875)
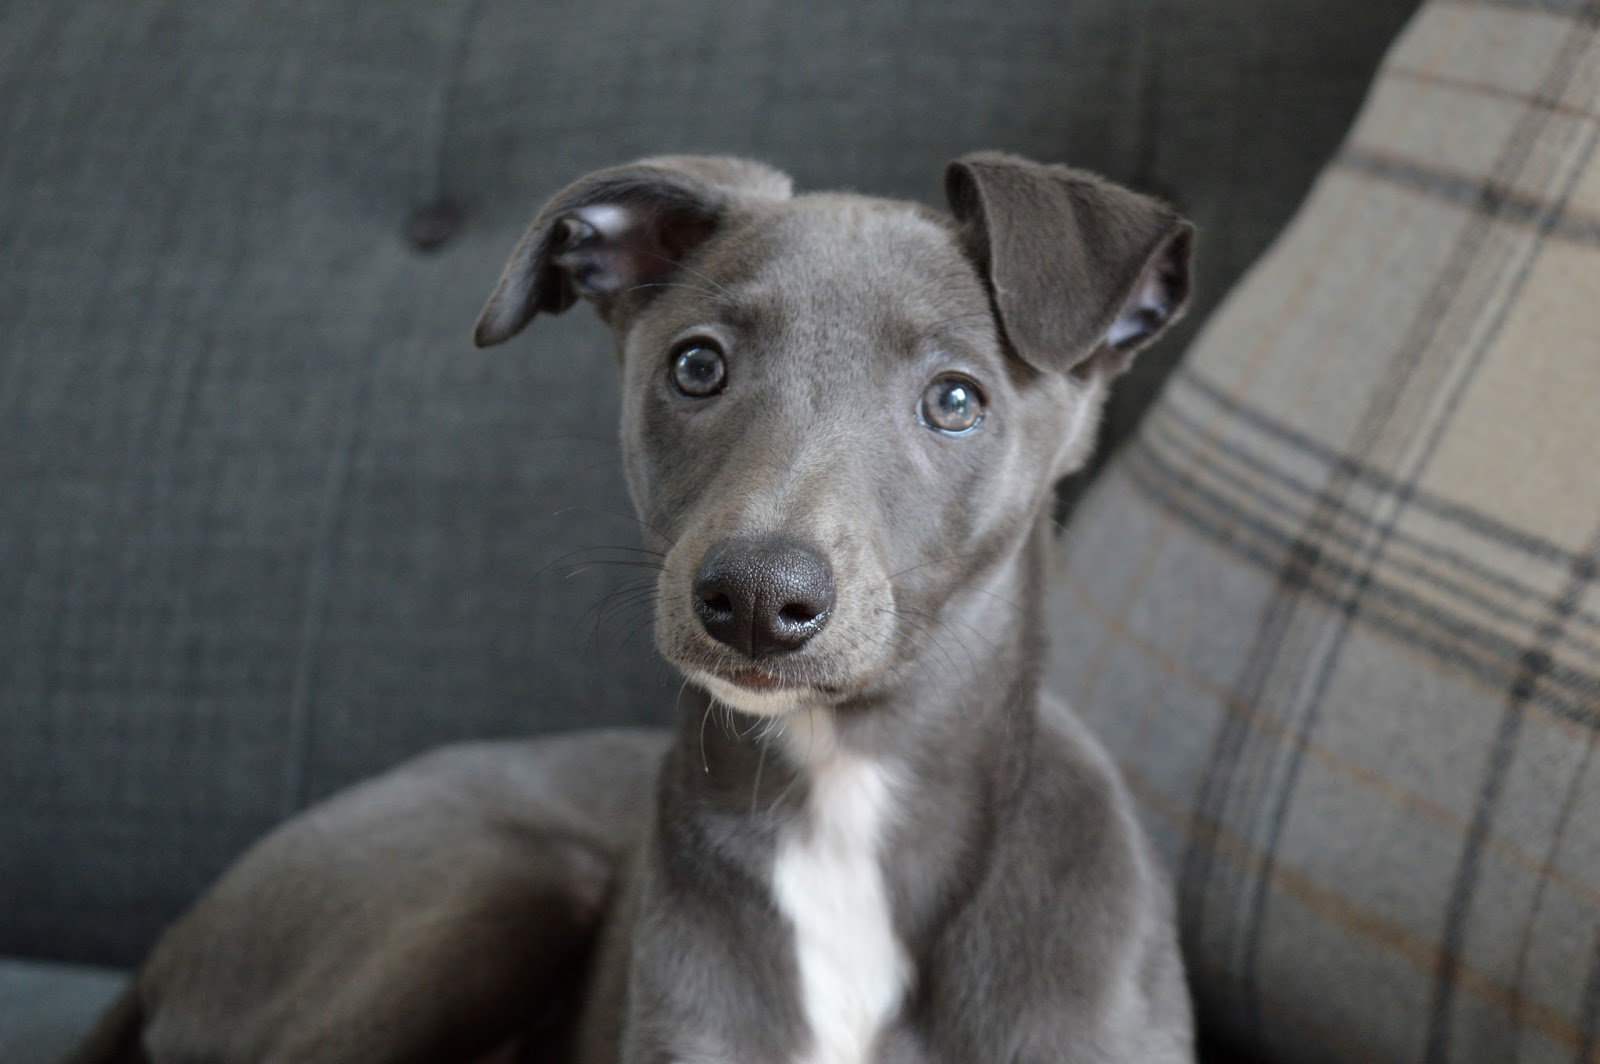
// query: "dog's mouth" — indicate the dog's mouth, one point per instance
point(758, 679)
point(756, 691)
point(764, 680)
point(762, 691)
point(755, 680)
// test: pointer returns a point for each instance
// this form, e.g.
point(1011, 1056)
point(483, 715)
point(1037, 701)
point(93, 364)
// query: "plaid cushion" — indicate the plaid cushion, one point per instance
point(1336, 609)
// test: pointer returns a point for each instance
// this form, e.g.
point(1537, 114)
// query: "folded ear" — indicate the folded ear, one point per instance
point(1080, 269)
point(615, 230)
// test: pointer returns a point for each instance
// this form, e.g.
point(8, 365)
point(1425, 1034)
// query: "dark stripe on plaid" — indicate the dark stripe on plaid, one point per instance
point(1222, 502)
point(1376, 479)
point(1535, 665)
point(1506, 204)
point(1499, 92)
point(1589, 1045)
point(1171, 433)
point(1569, 693)
point(1558, 837)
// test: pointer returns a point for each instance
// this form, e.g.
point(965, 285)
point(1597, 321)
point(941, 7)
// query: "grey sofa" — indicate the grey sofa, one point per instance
point(268, 523)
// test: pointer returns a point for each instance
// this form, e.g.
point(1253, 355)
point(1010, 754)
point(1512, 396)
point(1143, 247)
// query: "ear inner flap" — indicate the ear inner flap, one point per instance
point(1075, 263)
point(604, 251)
point(617, 229)
point(1159, 296)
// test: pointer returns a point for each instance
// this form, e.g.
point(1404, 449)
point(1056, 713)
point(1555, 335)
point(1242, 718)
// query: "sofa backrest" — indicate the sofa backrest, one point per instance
point(269, 524)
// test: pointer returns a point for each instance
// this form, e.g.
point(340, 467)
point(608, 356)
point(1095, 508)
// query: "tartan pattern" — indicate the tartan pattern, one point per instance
point(1336, 609)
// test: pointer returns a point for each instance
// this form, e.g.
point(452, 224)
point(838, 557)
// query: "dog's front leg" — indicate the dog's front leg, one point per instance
point(710, 973)
point(693, 1011)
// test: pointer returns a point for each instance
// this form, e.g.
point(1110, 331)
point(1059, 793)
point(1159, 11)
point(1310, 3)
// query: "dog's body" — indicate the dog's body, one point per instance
point(843, 417)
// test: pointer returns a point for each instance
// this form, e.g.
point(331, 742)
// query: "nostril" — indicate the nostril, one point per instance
point(717, 604)
point(798, 613)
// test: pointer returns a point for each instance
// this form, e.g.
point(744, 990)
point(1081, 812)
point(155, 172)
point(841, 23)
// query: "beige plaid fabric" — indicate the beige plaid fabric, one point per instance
point(1336, 609)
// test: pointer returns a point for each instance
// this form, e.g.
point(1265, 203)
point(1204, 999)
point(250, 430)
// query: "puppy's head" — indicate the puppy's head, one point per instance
point(843, 410)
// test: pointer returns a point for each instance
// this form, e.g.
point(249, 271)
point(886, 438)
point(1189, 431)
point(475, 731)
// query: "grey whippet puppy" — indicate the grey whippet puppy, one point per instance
point(844, 418)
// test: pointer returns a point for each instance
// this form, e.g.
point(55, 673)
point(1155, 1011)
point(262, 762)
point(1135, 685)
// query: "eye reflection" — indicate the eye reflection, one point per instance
point(699, 370)
point(952, 404)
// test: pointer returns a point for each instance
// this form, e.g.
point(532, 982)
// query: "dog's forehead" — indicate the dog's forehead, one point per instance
point(852, 254)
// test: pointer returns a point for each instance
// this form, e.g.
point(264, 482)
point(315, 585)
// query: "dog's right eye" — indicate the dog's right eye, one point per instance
point(698, 369)
point(952, 404)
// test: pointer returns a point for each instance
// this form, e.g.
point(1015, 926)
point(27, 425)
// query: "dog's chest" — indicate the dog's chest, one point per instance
point(828, 880)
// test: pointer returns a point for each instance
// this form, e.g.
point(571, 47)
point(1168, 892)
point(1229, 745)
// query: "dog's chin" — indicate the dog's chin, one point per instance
point(756, 693)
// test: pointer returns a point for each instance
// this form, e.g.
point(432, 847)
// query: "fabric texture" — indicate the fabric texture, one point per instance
point(46, 1008)
point(269, 524)
point(1336, 608)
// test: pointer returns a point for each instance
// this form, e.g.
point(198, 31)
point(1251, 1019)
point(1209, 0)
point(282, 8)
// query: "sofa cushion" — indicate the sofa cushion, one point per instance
point(45, 1009)
point(1336, 609)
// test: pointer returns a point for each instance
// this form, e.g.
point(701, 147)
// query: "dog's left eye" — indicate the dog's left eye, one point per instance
point(952, 404)
point(698, 369)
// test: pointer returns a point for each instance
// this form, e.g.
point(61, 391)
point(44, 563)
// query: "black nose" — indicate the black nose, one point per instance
point(763, 596)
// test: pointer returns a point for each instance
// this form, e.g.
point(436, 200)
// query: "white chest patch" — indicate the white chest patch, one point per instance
point(828, 880)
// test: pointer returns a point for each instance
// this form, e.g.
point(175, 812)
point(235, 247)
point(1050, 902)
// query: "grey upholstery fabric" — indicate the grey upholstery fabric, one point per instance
point(268, 524)
point(46, 1008)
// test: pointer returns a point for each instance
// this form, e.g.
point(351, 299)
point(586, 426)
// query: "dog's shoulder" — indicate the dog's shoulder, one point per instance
point(1072, 771)
point(1073, 852)
point(1074, 864)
